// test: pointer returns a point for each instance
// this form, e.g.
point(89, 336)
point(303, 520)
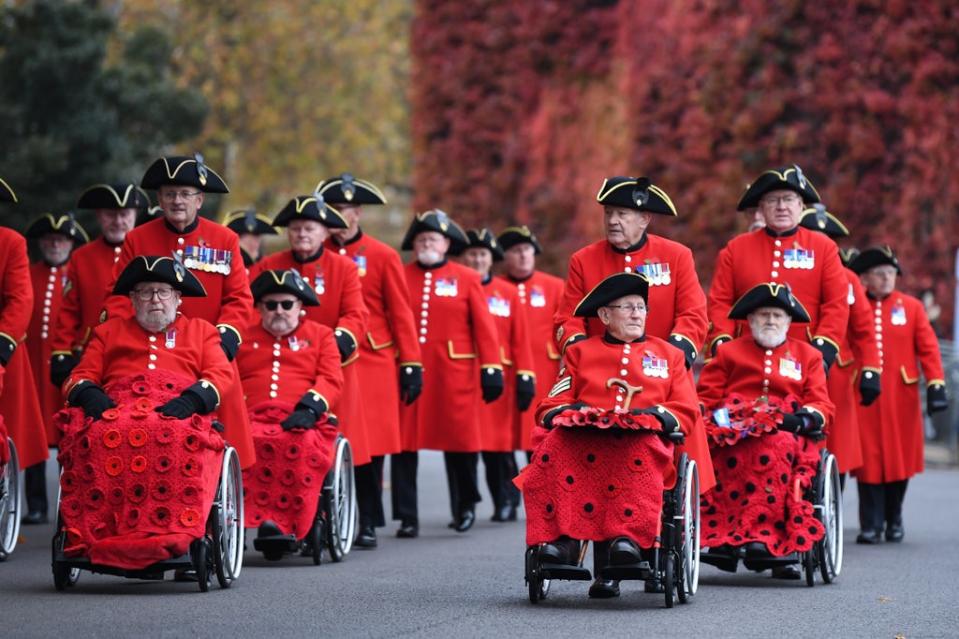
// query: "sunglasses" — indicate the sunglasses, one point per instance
point(272, 305)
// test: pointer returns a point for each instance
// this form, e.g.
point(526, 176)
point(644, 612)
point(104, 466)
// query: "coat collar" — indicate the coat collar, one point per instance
point(630, 249)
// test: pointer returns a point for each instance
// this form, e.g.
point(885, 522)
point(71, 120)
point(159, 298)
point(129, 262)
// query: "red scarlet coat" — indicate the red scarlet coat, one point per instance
point(337, 285)
point(19, 405)
point(892, 437)
point(857, 353)
point(390, 338)
point(757, 257)
point(457, 338)
point(48, 284)
point(512, 329)
point(84, 295)
point(540, 293)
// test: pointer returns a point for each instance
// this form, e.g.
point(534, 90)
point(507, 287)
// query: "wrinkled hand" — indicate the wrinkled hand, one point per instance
point(301, 418)
point(411, 383)
point(181, 407)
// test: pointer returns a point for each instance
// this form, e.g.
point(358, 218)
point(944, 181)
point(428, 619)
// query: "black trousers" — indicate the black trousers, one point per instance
point(403, 467)
point(501, 468)
point(369, 493)
point(35, 487)
point(880, 505)
point(460, 477)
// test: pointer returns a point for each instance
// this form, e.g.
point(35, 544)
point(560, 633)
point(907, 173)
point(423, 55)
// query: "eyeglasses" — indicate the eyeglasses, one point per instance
point(171, 196)
point(272, 305)
point(628, 308)
point(146, 294)
point(771, 201)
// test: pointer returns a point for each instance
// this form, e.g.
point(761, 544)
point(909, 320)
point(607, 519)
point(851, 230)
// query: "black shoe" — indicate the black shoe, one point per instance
point(622, 551)
point(757, 550)
point(869, 537)
point(465, 522)
point(894, 533)
point(654, 585)
point(604, 588)
point(408, 530)
point(185, 575)
point(34, 517)
point(790, 571)
point(366, 538)
point(506, 512)
point(268, 529)
point(563, 551)
point(512, 512)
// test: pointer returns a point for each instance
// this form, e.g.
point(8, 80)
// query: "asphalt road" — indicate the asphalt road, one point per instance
point(446, 584)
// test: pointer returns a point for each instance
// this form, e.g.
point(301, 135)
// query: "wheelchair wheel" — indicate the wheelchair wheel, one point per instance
point(808, 560)
point(11, 503)
point(63, 576)
point(227, 531)
point(669, 576)
point(538, 587)
point(829, 510)
point(316, 539)
point(341, 516)
point(688, 550)
point(200, 554)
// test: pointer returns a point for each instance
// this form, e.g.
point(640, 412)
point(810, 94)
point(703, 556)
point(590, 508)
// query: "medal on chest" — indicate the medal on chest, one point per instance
point(799, 258)
point(207, 259)
point(790, 368)
point(655, 366)
point(293, 342)
point(170, 339)
point(537, 298)
point(446, 287)
point(360, 261)
point(656, 272)
point(498, 306)
point(898, 315)
point(319, 284)
point(851, 296)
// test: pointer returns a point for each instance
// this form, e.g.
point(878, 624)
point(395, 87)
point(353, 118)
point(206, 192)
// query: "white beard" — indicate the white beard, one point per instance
point(428, 257)
point(768, 338)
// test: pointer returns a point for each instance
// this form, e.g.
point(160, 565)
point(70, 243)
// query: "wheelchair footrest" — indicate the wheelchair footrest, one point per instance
point(276, 543)
point(758, 564)
point(640, 571)
point(723, 561)
point(565, 572)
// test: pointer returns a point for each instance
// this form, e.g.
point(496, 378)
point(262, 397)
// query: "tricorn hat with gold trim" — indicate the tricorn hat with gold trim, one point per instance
point(769, 294)
point(180, 170)
point(819, 219)
point(155, 268)
point(484, 239)
point(789, 178)
point(114, 196)
point(6, 193)
point(278, 281)
point(875, 256)
point(439, 222)
point(64, 225)
point(514, 235)
point(248, 221)
point(847, 255)
point(610, 289)
point(310, 207)
point(346, 189)
point(635, 193)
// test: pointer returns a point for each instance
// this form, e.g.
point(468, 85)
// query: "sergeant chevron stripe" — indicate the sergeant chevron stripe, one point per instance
point(561, 386)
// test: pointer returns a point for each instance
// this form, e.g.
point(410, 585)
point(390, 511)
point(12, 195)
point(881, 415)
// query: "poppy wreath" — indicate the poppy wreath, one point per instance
point(603, 419)
point(748, 418)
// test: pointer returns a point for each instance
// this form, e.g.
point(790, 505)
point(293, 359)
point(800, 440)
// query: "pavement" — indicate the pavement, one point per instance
point(471, 585)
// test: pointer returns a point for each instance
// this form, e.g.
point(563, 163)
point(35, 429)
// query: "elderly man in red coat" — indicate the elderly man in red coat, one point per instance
point(892, 439)
point(509, 315)
point(606, 485)
point(760, 392)
point(390, 367)
point(540, 293)
point(460, 348)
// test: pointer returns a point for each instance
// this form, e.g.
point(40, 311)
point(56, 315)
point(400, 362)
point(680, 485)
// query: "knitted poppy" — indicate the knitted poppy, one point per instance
point(161, 491)
point(138, 464)
point(160, 516)
point(190, 494)
point(191, 467)
point(136, 493)
point(163, 464)
point(189, 518)
point(165, 435)
point(114, 466)
point(112, 438)
point(110, 414)
point(137, 437)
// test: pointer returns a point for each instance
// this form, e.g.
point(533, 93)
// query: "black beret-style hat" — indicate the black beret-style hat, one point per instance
point(847, 255)
point(875, 256)
point(610, 289)
point(346, 189)
point(180, 170)
point(635, 193)
point(6, 193)
point(786, 177)
point(278, 281)
point(310, 207)
point(64, 225)
point(114, 196)
point(769, 294)
point(437, 221)
point(154, 268)
point(514, 235)
point(249, 221)
point(484, 238)
point(819, 219)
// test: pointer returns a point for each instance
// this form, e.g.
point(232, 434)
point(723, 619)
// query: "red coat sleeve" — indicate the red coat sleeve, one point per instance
point(64, 336)
point(722, 296)
point(329, 374)
point(236, 304)
point(484, 329)
point(521, 350)
point(927, 348)
point(90, 367)
point(565, 326)
point(815, 395)
point(564, 390)
point(712, 382)
point(690, 322)
point(861, 333)
point(16, 294)
point(833, 305)
point(353, 316)
point(681, 401)
point(214, 366)
point(399, 314)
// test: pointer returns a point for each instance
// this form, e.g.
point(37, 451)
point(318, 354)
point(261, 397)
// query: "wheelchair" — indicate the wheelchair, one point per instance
point(825, 556)
point(675, 555)
point(218, 552)
point(11, 503)
point(334, 524)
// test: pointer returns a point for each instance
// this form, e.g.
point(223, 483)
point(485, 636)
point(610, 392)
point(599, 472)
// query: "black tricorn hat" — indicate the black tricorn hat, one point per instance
point(181, 170)
point(847, 255)
point(786, 177)
point(310, 207)
point(155, 268)
point(635, 193)
point(769, 294)
point(114, 196)
point(248, 221)
point(64, 225)
point(484, 238)
point(819, 219)
point(346, 189)
point(6, 193)
point(149, 214)
point(612, 288)
point(437, 221)
point(278, 281)
point(514, 235)
point(875, 256)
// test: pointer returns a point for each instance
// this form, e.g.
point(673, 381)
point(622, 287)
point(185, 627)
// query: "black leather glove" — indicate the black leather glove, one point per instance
point(229, 342)
point(802, 423)
point(491, 381)
point(301, 418)
point(670, 426)
point(791, 423)
point(525, 390)
point(345, 344)
point(181, 407)
point(93, 401)
point(828, 351)
point(936, 398)
point(868, 387)
point(683, 344)
point(60, 367)
point(411, 382)
point(7, 346)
